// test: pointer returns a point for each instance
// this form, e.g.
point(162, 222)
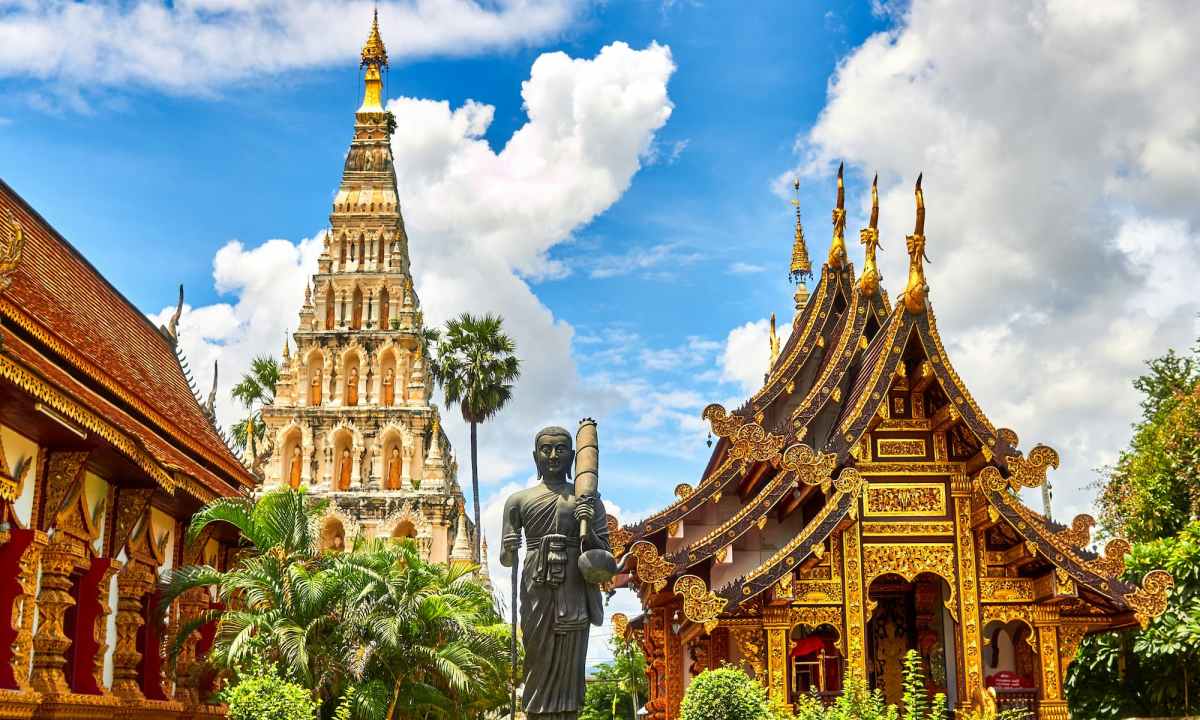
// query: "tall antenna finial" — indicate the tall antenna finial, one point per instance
point(917, 289)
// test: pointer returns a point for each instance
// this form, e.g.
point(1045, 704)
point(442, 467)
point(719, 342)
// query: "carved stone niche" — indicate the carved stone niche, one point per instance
point(72, 603)
point(137, 676)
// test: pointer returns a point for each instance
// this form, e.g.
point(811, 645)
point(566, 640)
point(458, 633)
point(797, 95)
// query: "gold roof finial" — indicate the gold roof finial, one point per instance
point(869, 237)
point(837, 248)
point(374, 57)
point(287, 353)
point(774, 343)
point(801, 268)
point(916, 291)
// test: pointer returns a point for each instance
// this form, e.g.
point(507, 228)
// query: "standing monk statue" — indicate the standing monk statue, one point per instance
point(557, 601)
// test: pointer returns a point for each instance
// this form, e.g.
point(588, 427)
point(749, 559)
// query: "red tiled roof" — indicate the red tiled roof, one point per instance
point(57, 296)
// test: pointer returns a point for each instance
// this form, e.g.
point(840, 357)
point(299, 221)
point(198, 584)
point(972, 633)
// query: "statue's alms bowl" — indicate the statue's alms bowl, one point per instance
point(597, 566)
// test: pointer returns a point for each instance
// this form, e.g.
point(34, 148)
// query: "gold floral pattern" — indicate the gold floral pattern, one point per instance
point(700, 605)
point(1150, 600)
point(652, 568)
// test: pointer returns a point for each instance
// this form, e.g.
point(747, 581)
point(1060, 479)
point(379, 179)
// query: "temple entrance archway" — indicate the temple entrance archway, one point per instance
point(911, 615)
point(816, 662)
point(1011, 663)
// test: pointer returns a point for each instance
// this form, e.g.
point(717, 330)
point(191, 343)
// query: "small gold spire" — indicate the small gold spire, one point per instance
point(801, 268)
point(916, 291)
point(374, 57)
point(869, 237)
point(774, 343)
point(837, 248)
point(287, 353)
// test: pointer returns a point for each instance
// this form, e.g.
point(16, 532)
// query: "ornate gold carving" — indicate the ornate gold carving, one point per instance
point(618, 537)
point(683, 491)
point(699, 604)
point(893, 327)
point(908, 560)
point(852, 571)
point(909, 528)
point(652, 568)
point(1006, 614)
point(1031, 471)
point(905, 499)
point(777, 660)
point(749, 441)
point(1069, 637)
point(899, 447)
point(1150, 600)
point(868, 284)
point(1112, 562)
point(811, 468)
point(815, 617)
point(12, 244)
point(785, 587)
point(1048, 644)
point(915, 291)
point(64, 482)
point(1005, 590)
point(1080, 532)
point(62, 556)
point(968, 573)
point(12, 479)
point(750, 645)
point(818, 591)
point(24, 608)
point(131, 506)
point(620, 625)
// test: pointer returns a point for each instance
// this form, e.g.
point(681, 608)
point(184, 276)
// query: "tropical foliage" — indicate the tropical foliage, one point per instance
point(1152, 496)
point(724, 694)
point(260, 694)
point(255, 390)
point(476, 366)
point(402, 638)
point(618, 688)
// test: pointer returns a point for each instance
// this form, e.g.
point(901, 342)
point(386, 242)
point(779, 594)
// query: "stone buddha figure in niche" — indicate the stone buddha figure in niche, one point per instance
point(314, 389)
point(389, 388)
point(393, 470)
point(344, 471)
point(352, 387)
point(294, 468)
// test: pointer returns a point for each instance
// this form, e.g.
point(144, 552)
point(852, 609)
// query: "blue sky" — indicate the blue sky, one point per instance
point(636, 235)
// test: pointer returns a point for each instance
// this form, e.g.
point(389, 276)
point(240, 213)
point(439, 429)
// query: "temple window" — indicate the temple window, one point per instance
point(816, 663)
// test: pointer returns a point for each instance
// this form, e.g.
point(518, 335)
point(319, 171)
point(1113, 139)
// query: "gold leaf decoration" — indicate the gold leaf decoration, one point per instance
point(652, 568)
point(683, 491)
point(810, 467)
point(620, 625)
point(1112, 562)
point(1080, 532)
point(700, 605)
point(12, 244)
point(618, 537)
point(1150, 600)
point(750, 442)
point(1030, 471)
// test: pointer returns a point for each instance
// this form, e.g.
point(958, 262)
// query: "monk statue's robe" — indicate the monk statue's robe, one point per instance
point(314, 390)
point(389, 389)
point(344, 472)
point(294, 473)
point(557, 604)
point(393, 472)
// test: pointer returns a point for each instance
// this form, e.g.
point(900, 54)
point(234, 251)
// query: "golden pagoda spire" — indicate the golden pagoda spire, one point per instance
point(374, 57)
point(869, 237)
point(774, 343)
point(801, 267)
point(916, 291)
point(287, 353)
point(837, 248)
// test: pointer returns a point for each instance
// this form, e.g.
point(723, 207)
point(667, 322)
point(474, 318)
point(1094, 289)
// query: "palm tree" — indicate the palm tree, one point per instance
point(397, 636)
point(476, 367)
point(256, 389)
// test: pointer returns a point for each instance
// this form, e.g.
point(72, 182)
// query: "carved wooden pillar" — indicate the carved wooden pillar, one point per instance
point(673, 653)
point(856, 650)
point(25, 607)
point(135, 582)
point(50, 643)
point(968, 596)
point(1051, 706)
point(777, 624)
point(187, 667)
point(101, 628)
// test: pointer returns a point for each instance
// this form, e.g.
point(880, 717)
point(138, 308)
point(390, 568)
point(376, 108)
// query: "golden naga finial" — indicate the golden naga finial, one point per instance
point(774, 343)
point(916, 291)
point(837, 248)
point(374, 57)
point(869, 237)
point(801, 268)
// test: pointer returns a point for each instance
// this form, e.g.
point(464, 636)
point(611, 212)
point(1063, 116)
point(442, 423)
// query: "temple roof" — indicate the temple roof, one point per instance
point(83, 333)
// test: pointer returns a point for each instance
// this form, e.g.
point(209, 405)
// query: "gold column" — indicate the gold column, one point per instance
point(776, 623)
point(674, 666)
point(25, 605)
point(856, 651)
point(132, 585)
point(968, 597)
point(190, 605)
point(102, 623)
point(51, 642)
point(1052, 706)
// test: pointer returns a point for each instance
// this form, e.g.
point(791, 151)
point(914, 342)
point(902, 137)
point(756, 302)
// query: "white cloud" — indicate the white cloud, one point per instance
point(657, 261)
point(1061, 155)
point(477, 220)
point(198, 45)
point(745, 268)
point(748, 351)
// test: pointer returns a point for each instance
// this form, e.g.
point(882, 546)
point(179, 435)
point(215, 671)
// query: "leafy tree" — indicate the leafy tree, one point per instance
point(261, 694)
point(476, 366)
point(1152, 496)
point(1153, 491)
point(256, 389)
point(724, 694)
point(617, 688)
point(377, 629)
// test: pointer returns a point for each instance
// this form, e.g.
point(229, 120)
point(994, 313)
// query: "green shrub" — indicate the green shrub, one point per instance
point(724, 694)
point(262, 695)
